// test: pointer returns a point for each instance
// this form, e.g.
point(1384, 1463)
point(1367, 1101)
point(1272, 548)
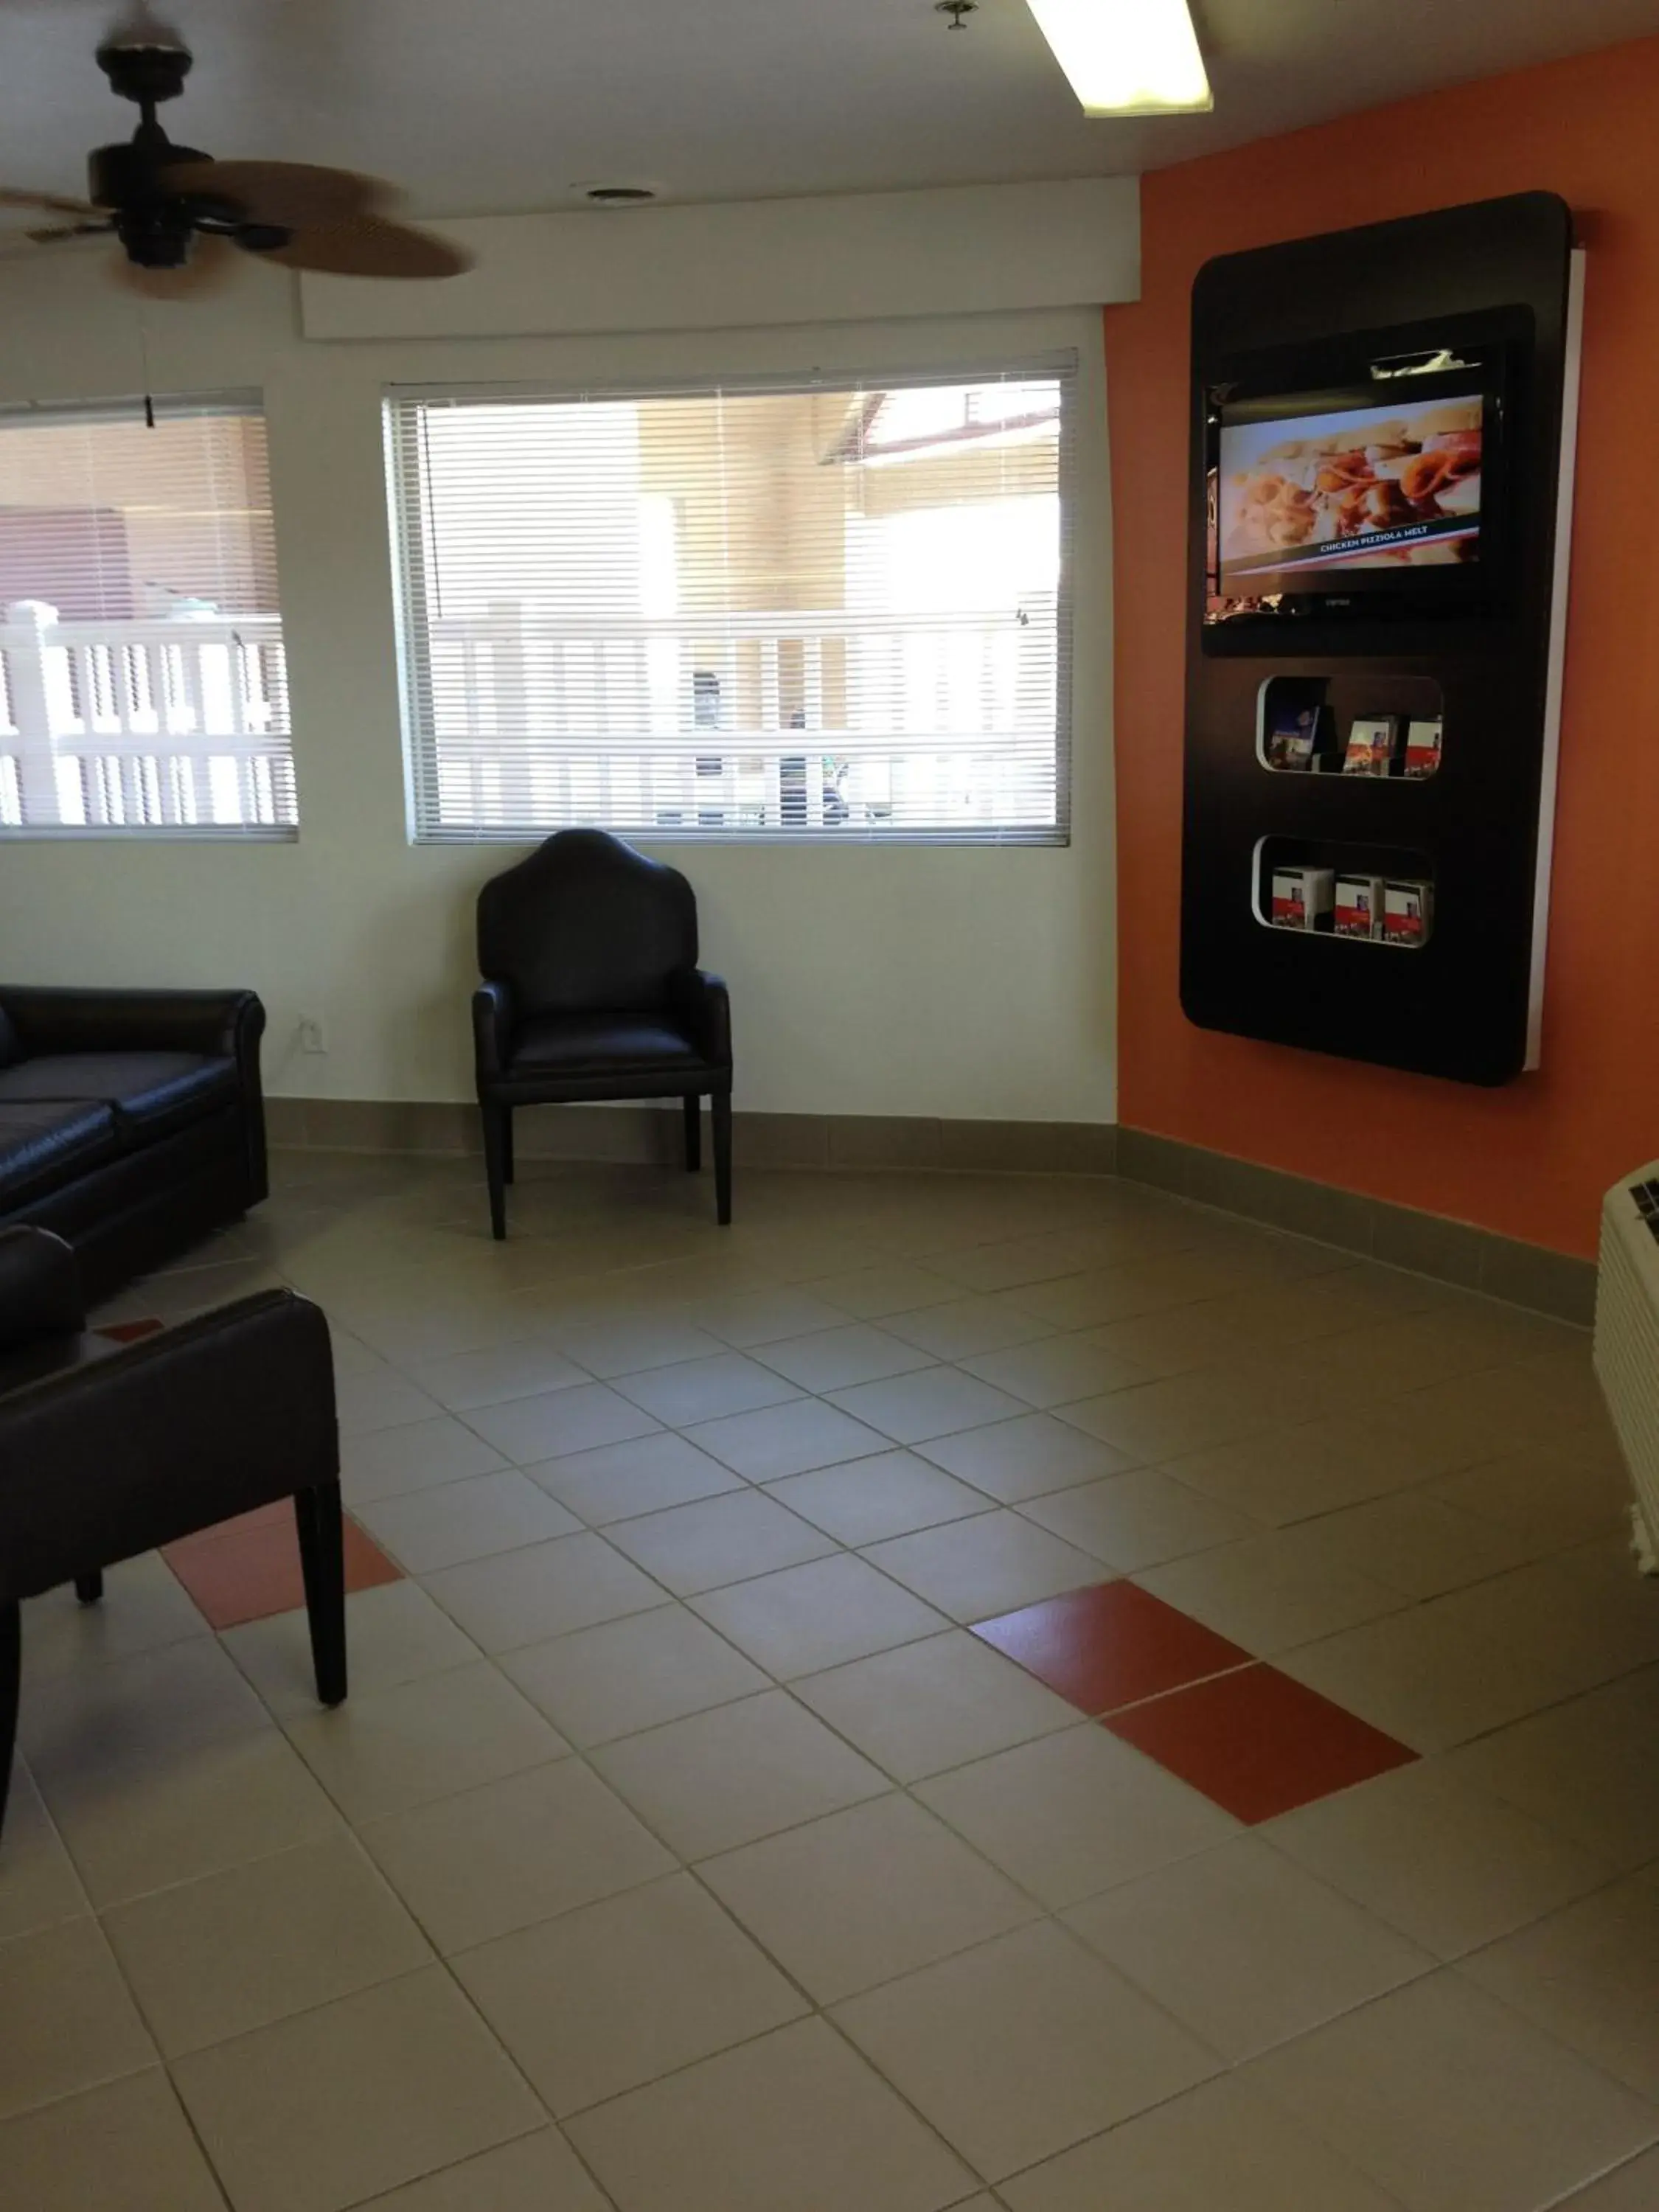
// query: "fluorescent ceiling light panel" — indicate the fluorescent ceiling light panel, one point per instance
point(1127, 57)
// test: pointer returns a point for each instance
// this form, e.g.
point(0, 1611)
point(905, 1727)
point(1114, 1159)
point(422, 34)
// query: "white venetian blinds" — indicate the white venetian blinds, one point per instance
point(143, 682)
point(833, 609)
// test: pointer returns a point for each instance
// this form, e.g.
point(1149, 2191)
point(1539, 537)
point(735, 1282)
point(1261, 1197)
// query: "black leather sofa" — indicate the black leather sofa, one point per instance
point(131, 1123)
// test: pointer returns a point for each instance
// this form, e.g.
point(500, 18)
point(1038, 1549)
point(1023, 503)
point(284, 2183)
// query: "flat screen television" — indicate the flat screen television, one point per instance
point(1387, 496)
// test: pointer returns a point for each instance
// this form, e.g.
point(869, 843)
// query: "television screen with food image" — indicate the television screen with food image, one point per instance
point(1395, 487)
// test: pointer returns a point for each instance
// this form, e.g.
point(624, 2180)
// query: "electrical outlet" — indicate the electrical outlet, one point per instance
point(311, 1034)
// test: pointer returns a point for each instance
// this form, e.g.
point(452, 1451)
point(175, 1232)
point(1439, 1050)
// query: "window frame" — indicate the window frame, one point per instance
point(147, 408)
point(407, 520)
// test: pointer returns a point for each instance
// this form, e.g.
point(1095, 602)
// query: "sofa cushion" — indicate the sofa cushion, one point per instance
point(152, 1092)
point(45, 1143)
point(595, 1044)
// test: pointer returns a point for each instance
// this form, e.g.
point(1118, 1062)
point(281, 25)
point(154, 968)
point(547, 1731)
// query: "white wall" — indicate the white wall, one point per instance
point(967, 983)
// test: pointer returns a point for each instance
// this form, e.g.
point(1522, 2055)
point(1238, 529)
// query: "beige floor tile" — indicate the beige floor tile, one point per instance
point(1219, 2145)
point(1483, 1414)
point(1181, 1413)
point(1057, 1369)
point(1044, 1256)
point(528, 1430)
point(935, 1705)
point(1026, 1457)
point(1414, 1542)
point(1268, 1594)
point(795, 2119)
point(626, 1345)
point(760, 1317)
point(1294, 1473)
point(834, 1358)
point(626, 1675)
point(210, 1959)
point(893, 1494)
point(472, 1519)
point(373, 1394)
point(39, 1886)
point(153, 1706)
point(888, 1287)
point(424, 1739)
point(145, 1607)
point(1117, 1293)
point(965, 1326)
point(319, 2112)
point(1245, 1948)
point(864, 1895)
point(1633, 2188)
point(807, 1618)
point(1138, 1519)
point(722, 1779)
point(1072, 1814)
point(618, 1482)
point(974, 1570)
point(1022, 2047)
point(936, 1401)
point(544, 1589)
point(532, 2173)
point(608, 1998)
point(69, 2022)
point(414, 1456)
point(1584, 1769)
point(138, 1825)
point(706, 1390)
point(1586, 1976)
point(781, 1440)
point(1546, 1498)
point(124, 2148)
point(1569, 1623)
point(691, 1548)
point(522, 1370)
point(1431, 1678)
point(502, 1857)
point(1452, 2103)
point(1450, 1866)
point(394, 1634)
point(1184, 1339)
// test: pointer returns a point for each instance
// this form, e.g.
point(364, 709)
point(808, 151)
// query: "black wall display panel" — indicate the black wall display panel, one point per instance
point(1376, 465)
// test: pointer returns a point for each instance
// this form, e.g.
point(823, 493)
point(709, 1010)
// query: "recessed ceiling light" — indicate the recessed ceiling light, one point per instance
point(617, 195)
point(1127, 57)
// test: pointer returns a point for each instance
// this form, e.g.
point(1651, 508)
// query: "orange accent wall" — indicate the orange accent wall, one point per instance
point(1530, 1160)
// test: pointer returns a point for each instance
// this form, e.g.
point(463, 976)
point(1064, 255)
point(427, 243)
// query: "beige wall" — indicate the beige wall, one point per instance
point(968, 982)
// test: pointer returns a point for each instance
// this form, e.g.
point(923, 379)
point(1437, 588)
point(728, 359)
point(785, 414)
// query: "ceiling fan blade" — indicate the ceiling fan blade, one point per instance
point(50, 203)
point(62, 230)
point(207, 271)
point(369, 246)
point(287, 194)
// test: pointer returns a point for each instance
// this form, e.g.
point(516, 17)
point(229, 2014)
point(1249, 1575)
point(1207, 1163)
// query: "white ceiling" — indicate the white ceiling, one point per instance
point(498, 106)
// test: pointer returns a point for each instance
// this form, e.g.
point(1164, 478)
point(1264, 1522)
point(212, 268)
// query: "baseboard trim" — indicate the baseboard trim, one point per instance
point(1457, 1252)
point(650, 1136)
point(1450, 1251)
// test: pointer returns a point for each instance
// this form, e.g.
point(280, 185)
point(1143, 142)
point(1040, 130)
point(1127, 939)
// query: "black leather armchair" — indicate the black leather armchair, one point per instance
point(109, 1450)
point(591, 991)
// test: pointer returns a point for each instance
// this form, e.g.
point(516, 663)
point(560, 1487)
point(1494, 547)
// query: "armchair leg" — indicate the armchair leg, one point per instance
point(322, 1563)
point(498, 1136)
point(693, 1106)
point(11, 1653)
point(720, 1108)
point(506, 1144)
point(89, 1588)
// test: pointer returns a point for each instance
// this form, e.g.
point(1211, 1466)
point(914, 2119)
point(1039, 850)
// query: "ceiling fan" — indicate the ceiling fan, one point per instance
point(175, 210)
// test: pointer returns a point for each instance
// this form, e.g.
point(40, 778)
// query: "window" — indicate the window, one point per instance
point(142, 686)
point(827, 611)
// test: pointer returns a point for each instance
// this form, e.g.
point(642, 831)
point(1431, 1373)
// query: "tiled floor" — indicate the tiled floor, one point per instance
point(958, 1692)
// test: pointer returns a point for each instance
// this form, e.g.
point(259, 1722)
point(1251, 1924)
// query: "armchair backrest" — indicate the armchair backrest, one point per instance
point(586, 924)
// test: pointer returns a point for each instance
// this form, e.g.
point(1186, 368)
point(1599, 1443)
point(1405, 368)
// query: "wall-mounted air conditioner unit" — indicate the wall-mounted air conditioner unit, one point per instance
point(1628, 1341)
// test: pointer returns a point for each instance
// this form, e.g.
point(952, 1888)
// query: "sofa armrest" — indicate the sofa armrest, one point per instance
point(492, 1029)
point(218, 1024)
point(39, 1287)
point(164, 1436)
point(702, 1005)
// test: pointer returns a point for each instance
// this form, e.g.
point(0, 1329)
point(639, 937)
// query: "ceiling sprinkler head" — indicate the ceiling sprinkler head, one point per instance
point(957, 11)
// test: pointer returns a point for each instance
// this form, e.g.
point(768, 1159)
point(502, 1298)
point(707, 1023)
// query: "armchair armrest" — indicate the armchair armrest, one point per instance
point(39, 1287)
point(492, 1029)
point(702, 1005)
point(163, 1437)
point(213, 1022)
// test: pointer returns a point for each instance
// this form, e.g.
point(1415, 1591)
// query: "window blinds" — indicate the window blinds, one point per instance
point(832, 609)
point(143, 684)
